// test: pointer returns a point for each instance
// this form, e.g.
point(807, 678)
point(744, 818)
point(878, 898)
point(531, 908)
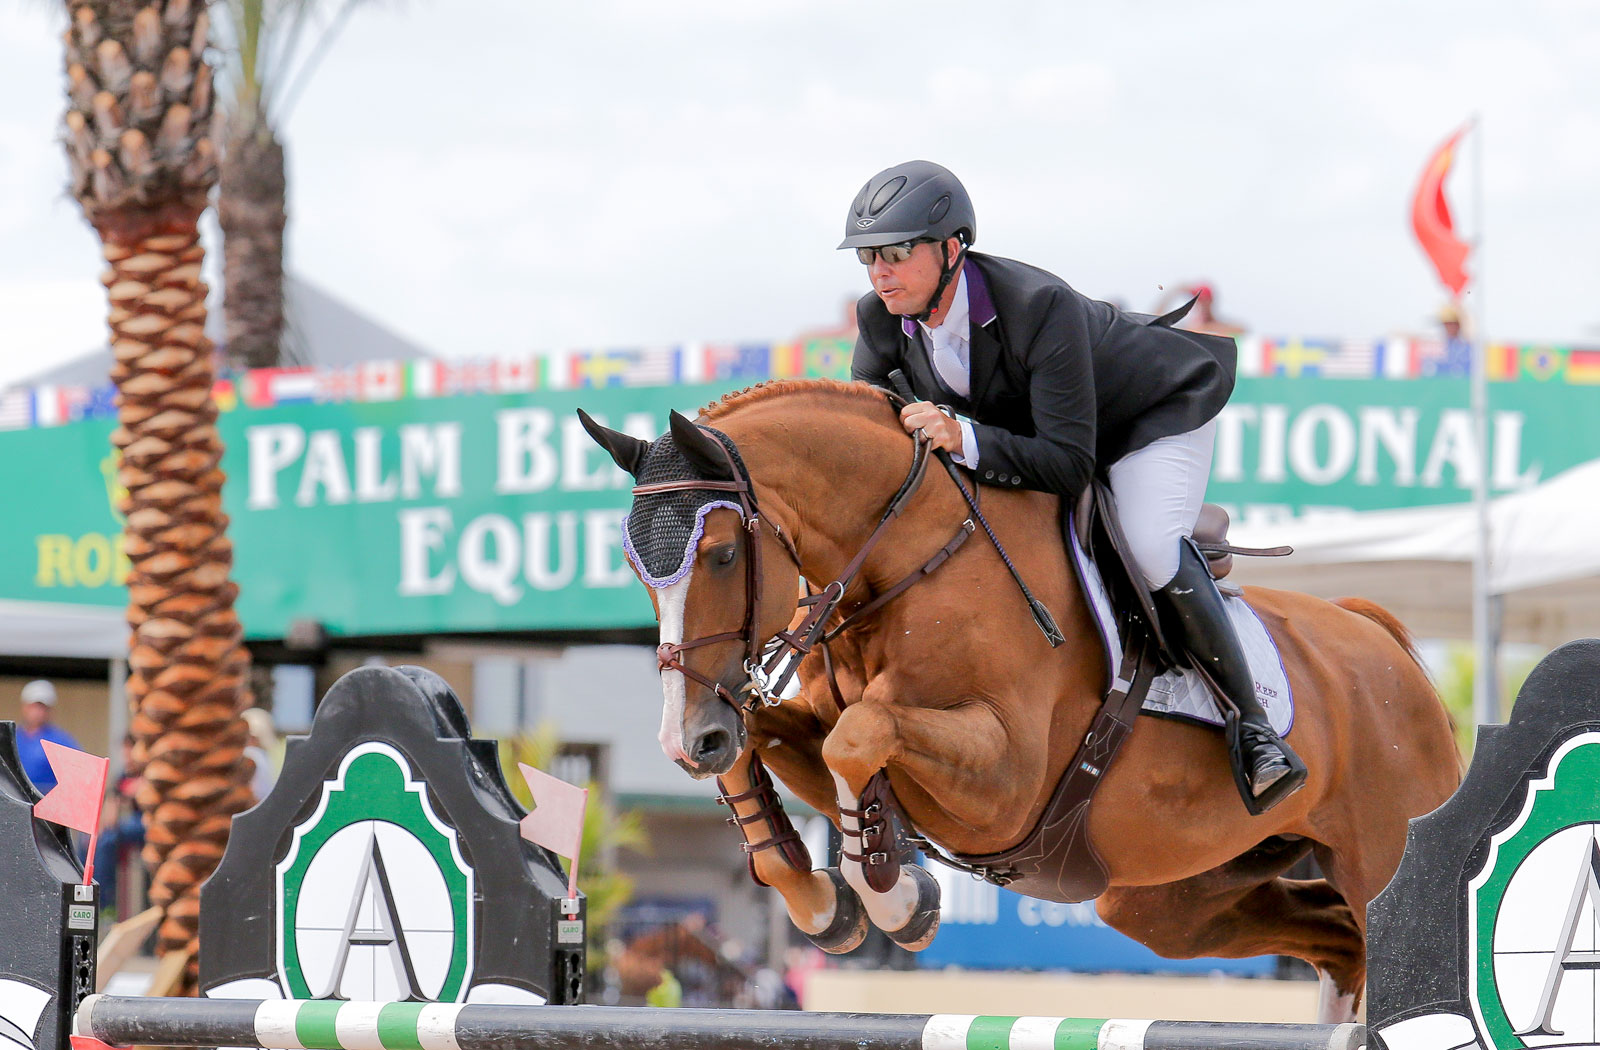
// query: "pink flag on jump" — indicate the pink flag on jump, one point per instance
point(88, 1042)
point(556, 822)
point(75, 800)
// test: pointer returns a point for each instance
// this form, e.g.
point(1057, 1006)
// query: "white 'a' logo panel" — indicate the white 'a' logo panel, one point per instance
point(374, 898)
point(1547, 942)
point(351, 947)
point(1533, 912)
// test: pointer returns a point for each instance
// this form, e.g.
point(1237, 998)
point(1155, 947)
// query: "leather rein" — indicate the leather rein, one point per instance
point(812, 630)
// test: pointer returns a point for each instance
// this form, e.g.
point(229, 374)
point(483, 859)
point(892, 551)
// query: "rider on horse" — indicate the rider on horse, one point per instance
point(1049, 387)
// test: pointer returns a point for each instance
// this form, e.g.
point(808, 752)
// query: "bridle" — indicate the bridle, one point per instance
point(812, 630)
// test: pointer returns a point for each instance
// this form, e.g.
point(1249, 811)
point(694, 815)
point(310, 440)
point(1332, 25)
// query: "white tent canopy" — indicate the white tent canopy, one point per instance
point(61, 630)
point(1544, 560)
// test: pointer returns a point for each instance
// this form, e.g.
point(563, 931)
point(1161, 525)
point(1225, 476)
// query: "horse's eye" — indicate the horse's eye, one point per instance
point(726, 555)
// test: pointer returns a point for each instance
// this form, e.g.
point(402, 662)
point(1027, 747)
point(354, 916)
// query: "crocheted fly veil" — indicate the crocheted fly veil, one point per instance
point(662, 528)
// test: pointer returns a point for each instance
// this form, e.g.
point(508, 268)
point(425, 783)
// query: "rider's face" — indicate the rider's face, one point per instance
point(906, 287)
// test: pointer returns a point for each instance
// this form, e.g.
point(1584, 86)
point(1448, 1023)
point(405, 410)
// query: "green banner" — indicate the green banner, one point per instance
point(496, 512)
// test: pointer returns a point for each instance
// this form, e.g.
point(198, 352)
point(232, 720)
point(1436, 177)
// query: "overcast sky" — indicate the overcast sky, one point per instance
point(491, 176)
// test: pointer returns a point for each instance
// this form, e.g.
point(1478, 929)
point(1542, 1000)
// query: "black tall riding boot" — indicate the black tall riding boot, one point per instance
point(1267, 769)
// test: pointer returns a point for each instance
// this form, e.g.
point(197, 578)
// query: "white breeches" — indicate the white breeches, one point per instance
point(1159, 490)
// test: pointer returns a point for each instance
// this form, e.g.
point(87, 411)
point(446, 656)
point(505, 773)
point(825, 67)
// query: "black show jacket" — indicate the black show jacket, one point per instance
point(1062, 385)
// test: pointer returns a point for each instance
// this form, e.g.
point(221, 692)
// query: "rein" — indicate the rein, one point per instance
point(812, 630)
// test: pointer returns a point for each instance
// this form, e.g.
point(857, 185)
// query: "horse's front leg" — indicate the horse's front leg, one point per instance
point(962, 758)
point(820, 903)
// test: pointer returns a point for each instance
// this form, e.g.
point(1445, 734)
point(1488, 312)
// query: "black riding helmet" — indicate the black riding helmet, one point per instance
point(909, 201)
point(917, 200)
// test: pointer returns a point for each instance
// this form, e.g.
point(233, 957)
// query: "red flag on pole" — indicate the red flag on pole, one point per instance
point(1430, 218)
point(556, 822)
point(75, 800)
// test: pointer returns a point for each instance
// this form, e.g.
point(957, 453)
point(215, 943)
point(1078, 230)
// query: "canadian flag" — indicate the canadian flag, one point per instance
point(382, 381)
point(516, 375)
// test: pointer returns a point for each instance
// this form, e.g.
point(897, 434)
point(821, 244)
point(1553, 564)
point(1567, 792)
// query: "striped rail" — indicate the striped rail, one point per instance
point(332, 1025)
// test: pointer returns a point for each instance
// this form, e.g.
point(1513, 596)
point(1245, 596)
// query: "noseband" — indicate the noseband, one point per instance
point(812, 630)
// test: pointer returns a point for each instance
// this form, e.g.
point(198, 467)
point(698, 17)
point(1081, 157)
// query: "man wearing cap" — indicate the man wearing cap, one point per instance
point(1050, 388)
point(34, 728)
point(1455, 356)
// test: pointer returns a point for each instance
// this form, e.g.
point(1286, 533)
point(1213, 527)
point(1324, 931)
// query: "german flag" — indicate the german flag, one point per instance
point(1583, 366)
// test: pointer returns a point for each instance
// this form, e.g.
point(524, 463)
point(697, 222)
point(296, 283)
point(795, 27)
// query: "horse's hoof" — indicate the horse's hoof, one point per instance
point(918, 933)
point(849, 926)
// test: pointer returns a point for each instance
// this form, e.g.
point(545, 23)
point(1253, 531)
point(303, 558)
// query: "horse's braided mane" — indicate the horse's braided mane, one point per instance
point(774, 388)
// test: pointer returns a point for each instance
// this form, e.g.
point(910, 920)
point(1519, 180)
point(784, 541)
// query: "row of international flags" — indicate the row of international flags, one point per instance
point(1406, 358)
point(1395, 358)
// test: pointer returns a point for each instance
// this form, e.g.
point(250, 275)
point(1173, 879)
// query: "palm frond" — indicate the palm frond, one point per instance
point(272, 48)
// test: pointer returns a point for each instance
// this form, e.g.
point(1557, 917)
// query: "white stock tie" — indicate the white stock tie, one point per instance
point(947, 359)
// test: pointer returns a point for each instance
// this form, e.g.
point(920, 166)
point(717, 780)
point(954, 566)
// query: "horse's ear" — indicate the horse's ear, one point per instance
point(627, 450)
point(700, 448)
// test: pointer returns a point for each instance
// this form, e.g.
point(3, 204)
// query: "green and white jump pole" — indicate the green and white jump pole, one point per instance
point(332, 1025)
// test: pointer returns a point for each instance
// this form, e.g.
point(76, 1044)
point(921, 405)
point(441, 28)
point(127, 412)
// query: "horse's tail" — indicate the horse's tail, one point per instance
point(1386, 619)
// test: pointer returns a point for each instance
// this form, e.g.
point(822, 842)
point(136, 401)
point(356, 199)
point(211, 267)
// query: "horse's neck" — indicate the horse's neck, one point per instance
point(831, 471)
point(832, 475)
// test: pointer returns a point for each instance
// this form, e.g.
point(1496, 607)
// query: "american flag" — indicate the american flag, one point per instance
point(16, 409)
point(1352, 359)
point(656, 366)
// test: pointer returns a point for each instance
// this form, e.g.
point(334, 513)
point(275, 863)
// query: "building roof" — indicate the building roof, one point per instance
point(323, 332)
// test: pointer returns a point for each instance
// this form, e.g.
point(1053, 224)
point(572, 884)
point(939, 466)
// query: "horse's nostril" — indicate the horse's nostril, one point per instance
point(711, 745)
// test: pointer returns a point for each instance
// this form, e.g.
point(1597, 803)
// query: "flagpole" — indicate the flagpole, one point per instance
point(1485, 691)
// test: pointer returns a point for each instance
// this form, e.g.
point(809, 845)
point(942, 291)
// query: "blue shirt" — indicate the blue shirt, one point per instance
point(30, 748)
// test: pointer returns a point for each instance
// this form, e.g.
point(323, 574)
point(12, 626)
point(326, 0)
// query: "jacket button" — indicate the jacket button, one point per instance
point(988, 474)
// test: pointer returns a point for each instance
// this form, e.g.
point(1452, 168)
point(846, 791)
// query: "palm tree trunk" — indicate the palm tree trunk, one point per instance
point(187, 666)
point(252, 212)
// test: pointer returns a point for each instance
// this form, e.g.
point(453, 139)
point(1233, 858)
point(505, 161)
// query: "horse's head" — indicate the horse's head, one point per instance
point(720, 582)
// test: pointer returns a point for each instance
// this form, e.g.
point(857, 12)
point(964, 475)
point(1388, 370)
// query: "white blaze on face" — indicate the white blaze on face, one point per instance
point(671, 601)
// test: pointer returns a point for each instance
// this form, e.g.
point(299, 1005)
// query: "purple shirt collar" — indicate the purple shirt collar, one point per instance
point(980, 305)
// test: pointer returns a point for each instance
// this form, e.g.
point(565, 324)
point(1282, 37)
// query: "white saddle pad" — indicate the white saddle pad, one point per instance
point(1182, 694)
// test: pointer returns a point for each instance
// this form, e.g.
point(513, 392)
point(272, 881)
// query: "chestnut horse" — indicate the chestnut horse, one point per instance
point(953, 690)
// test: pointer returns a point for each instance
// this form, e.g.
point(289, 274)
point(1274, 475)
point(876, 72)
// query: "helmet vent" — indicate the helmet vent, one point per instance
point(886, 193)
point(940, 209)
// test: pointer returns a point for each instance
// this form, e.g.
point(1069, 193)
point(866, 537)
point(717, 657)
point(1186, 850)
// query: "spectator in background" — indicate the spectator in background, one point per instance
point(1455, 352)
point(263, 738)
point(121, 831)
point(1203, 317)
point(34, 728)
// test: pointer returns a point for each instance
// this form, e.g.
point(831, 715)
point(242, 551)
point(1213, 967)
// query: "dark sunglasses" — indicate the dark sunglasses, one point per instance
point(893, 254)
